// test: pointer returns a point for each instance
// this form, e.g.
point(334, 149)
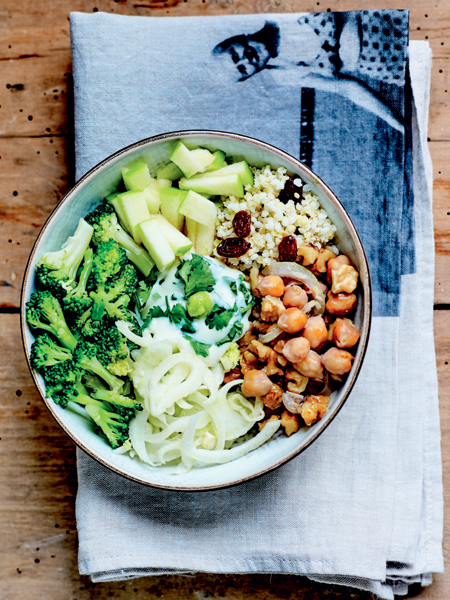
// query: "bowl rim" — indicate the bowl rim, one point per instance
point(365, 280)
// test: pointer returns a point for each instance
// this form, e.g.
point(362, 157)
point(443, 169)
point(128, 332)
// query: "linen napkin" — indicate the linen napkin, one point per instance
point(362, 506)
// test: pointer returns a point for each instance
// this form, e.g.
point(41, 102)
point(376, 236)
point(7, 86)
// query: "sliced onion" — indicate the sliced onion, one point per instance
point(270, 335)
point(293, 402)
point(301, 274)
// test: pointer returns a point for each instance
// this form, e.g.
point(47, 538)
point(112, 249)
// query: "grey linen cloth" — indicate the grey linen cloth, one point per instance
point(362, 506)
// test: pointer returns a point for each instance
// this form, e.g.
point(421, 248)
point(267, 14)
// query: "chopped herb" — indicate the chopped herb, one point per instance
point(178, 315)
point(234, 332)
point(145, 286)
point(199, 347)
point(245, 292)
point(196, 275)
point(219, 317)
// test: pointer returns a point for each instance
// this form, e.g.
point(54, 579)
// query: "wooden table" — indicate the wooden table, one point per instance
point(38, 538)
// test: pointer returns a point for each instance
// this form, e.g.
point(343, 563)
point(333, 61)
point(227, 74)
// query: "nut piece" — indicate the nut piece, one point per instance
point(266, 354)
point(334, 263)
point(296, 382)
point(311, 366)
point(271, 309)
point(271, 418)
point(337, 361)
point(256, 383)
point(290, 422)
point(248, 362)
point(340, 304)
point(313, 409)
point(307, 254)
point(273, 398)
point(232, 375)
point(344, 279)
point(255, 278)
point(345, 335)
point(325, 254)
point(316, 332)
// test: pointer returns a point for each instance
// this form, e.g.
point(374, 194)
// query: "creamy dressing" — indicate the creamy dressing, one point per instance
point(168, 291)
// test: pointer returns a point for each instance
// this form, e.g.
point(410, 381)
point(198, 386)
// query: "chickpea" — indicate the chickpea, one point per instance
point(311, 366)
point(296, 349)
point(292, 320)
point(295, 296)
point(272, 285)
point(340, 304)
point(345, 335)
point(256, 383)
point(337, 361)
point(334, 263)
point(316, 332)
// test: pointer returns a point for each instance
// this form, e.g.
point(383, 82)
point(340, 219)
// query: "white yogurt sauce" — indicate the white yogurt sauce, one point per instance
point(171, 288)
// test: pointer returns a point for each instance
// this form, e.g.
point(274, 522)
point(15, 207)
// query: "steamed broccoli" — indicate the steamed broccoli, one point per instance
point(85, 357)
point(115, 295)
point(104, 221)
point(57, 271)
point(44, 312)
point(78, 301)
point(113, 351)
point(114, 427)
point(45, 352)
point(62, 381)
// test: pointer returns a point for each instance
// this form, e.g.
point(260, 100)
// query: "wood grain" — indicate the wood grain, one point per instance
point(37, 462)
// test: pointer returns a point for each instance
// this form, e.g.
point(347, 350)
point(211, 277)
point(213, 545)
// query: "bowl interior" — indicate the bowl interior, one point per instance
point(85, 195)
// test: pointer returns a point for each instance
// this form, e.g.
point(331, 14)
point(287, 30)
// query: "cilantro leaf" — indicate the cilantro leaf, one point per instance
point(196, 275)
point(234, 332)
point(199, 347)
point(178, 315)
point(219, 317)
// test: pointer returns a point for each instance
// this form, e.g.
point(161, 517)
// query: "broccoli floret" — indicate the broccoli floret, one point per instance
point(78, 301)
point(117, 400)
point(44, 312)
point(109, 260)
point(57, 271)
point(104, 221)
point(115, 295)
point(45, 352)
point(85, 357)
point(114, 427)
point(113, 351)
point(62, 381)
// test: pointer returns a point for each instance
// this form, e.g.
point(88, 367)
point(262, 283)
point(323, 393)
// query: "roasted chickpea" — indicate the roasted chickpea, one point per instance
point(337, 361)
point(272, 285)
point(316, 332)
point(296, 349)
point(292, 320)
point(334, 263)
point(345, 335)
point(311, 366)
point(256, 383)
point(295, 296)
point(340, 304)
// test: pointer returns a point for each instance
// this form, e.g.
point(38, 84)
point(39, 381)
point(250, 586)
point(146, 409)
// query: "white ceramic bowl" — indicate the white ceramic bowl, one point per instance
point(84, 196)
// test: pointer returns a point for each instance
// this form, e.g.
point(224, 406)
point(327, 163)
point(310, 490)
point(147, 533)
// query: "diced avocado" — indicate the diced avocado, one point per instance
point(198, 208)
point(218, 162)
point(153, 200)
point(187, 162)
point(156, 243)
point(179, 243)
point(169, 171)
point(204, 239)
point(191, 227)
point(136, 178)
point(170, 202)
point(204, 157)
point(208, 183)
point(241, 168)
point(133, 206)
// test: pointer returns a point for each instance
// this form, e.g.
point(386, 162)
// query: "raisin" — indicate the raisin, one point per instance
point(233, 247)
point(287, 250)
point(290, 189)
point(242, 223)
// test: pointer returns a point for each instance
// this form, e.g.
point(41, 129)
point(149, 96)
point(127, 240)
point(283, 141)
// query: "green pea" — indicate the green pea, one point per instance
point(199, 305)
